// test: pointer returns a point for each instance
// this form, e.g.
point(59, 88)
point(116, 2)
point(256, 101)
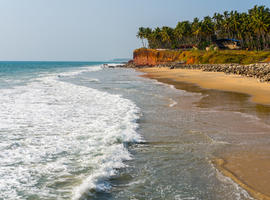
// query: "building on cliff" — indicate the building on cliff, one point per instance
point(228, 44)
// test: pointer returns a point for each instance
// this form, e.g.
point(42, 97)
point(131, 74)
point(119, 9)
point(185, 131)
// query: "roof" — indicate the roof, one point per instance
point(227, 40)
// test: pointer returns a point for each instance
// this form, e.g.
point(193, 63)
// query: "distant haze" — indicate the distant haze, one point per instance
point(93, 30)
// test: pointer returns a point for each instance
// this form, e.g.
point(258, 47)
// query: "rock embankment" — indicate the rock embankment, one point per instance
point(259, 71)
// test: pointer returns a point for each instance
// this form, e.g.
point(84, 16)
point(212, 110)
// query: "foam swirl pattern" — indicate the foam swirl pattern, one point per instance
point(59, 140)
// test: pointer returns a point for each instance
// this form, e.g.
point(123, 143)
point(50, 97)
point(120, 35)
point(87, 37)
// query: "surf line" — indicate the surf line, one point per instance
point(173, 103)
point(220, 165)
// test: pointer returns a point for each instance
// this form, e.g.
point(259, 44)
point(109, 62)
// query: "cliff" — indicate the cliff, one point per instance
point(152, 57)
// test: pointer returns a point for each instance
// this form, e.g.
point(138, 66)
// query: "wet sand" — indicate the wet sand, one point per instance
point(248, 168)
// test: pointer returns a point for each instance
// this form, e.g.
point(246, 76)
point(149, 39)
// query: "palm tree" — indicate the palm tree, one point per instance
point(167, 36)
point(260, 21)
point(147, 33)
point(196, 29)
point(235, 23)
point(207, 28)
point(141, 35)
point(251, 28)
point(244, 34)
point(218, 20)
point(182, 32)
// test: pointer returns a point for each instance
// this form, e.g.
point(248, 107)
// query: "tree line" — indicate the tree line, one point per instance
point(251, 28)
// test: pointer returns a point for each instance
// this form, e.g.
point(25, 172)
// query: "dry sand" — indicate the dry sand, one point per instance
point(259, 92)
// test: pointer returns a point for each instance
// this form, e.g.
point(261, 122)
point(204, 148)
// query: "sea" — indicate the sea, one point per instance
point(79, 130)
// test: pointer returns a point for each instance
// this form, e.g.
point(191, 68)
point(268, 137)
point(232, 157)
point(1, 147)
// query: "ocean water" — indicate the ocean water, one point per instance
point(71, 130)
point(60, 139)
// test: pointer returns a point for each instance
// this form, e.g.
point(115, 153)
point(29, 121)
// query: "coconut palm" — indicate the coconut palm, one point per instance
point(251, 28)
point(141, 35)
point(260, 21)
point(196, 30)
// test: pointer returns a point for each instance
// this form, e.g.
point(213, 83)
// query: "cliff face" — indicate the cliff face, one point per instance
point(151, 57)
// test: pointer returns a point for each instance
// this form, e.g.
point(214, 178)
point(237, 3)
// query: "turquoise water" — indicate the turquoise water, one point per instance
point(13, 68)
point(21, 71)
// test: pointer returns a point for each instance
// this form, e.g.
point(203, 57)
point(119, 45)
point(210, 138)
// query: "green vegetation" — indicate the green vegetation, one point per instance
point(227, 56)
point(252, 29)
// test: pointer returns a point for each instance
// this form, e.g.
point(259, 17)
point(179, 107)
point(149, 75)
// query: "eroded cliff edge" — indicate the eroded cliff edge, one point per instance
point(153, 57)
point(254, 64)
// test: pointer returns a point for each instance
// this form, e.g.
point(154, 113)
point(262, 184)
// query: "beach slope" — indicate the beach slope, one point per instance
point(258, 91)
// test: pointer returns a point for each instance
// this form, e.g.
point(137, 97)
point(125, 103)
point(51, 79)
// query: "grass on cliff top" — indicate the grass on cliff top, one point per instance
point(210, 57)
point(228, 56)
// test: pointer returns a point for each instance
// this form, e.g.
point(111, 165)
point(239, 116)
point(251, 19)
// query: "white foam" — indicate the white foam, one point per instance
point(115, 64)
point(237, 191)
point(172, 87)
point(249, 116)
point(93, 80)
point(173, 103)
point(75, 72)
point(55, 132)
point(240, 191)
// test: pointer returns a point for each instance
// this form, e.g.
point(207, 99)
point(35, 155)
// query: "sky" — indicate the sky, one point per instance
point(93, 30)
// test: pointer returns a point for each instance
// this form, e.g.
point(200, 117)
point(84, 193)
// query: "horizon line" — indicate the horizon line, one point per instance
point(59, 60)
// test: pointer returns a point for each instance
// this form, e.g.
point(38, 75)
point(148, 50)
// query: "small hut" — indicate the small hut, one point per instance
point(228, 44)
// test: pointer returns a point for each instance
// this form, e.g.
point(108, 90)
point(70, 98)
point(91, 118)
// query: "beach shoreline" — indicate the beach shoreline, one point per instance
point(258, 93)
point(220, 165)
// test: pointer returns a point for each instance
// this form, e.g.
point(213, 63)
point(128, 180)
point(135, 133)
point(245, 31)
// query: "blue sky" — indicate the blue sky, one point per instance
point(88, 30)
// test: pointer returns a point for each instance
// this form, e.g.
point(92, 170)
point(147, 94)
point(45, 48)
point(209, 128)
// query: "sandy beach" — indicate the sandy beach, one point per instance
point(249, 168)
point(259, 92)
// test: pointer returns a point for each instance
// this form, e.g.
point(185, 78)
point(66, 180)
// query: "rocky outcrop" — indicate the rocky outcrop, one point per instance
point(152, 57)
